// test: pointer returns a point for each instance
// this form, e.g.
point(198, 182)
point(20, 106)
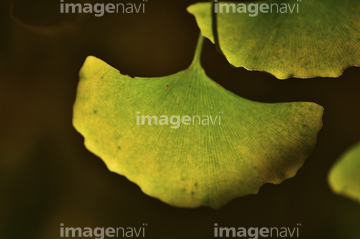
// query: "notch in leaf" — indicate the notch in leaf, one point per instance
point(197, 164)
point(287, 38)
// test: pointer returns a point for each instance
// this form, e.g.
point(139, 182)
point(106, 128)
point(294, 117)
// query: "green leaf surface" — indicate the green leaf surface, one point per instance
point(322, 39)
point(344, 177)
point(249, 144)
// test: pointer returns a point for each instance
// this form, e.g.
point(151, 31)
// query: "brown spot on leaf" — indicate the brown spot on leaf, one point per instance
point(127, 75)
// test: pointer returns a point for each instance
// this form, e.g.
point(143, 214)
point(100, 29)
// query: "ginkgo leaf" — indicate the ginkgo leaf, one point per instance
point(313, 38)
point(344, 177)
point(205, 145)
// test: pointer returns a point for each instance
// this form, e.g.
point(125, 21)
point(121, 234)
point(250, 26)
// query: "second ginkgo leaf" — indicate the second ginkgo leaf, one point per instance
point(287, 38)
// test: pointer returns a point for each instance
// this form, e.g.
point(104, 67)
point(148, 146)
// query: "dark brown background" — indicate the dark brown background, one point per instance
point(47, 177)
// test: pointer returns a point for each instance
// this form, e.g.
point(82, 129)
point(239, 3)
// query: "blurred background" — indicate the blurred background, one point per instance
point(47, 177)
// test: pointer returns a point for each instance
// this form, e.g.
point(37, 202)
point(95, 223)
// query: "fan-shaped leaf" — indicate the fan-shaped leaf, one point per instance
point(319, 38)
point(202, 163)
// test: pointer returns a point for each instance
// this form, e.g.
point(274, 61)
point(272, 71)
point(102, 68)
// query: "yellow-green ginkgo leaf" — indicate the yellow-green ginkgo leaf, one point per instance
point(287, 38)
point(205, 145)
point(344, 177)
